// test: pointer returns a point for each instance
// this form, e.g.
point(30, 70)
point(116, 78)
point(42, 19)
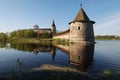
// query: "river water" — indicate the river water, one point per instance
point(105, 54)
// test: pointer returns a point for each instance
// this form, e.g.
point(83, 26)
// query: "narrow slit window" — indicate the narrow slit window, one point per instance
point(79, 28)
point(78, 57)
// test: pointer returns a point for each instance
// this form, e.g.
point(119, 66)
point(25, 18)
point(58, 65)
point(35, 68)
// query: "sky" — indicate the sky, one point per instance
point(24, 14)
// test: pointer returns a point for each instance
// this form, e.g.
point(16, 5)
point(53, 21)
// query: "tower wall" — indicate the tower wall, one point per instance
point(81, 32)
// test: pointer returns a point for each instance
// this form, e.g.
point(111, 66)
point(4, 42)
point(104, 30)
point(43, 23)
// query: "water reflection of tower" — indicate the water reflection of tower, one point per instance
point(81, 56)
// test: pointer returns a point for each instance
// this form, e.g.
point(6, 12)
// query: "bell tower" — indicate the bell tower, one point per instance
point(53, 27)
point(81, 28)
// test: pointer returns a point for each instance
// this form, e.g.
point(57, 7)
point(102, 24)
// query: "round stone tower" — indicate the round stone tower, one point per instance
point(53, 28)
point(81, 28)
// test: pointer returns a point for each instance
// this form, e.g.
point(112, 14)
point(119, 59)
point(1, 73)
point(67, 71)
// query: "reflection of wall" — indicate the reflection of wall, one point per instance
point(64, 48)
point(43, 48)
point(80, 55)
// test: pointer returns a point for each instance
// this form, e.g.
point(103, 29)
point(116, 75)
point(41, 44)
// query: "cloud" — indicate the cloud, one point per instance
point(110, 20)
point(107, 23)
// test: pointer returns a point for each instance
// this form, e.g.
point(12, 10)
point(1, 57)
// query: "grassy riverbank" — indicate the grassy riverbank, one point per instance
point(39, 40)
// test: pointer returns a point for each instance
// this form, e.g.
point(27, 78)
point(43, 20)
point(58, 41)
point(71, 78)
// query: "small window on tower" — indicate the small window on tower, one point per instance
point(78, 57)
point(78, 27)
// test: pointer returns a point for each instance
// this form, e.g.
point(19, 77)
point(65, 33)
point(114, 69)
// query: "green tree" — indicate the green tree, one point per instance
point(3, 37)
point(27, 33)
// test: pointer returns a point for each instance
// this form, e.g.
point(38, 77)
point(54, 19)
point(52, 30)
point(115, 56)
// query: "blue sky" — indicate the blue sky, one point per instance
point(23, 14)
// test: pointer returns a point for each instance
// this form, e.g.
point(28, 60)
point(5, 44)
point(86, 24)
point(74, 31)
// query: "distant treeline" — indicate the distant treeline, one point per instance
point(107, 37)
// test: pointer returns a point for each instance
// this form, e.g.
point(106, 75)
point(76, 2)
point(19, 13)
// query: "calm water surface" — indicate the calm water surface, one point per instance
point(86, 58)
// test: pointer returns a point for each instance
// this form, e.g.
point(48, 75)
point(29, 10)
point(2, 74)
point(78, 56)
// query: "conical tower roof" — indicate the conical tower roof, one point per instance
point(81, 16)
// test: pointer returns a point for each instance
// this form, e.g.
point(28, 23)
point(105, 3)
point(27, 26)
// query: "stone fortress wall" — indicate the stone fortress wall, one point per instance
point(62, 35)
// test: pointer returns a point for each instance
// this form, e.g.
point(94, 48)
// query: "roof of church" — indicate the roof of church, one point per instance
point(82, 16)
point(42, 29)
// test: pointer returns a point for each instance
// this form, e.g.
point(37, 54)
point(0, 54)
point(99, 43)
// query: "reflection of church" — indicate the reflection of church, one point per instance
point(46, 48)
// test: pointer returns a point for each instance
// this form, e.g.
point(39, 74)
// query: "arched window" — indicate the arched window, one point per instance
point(78, 27)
